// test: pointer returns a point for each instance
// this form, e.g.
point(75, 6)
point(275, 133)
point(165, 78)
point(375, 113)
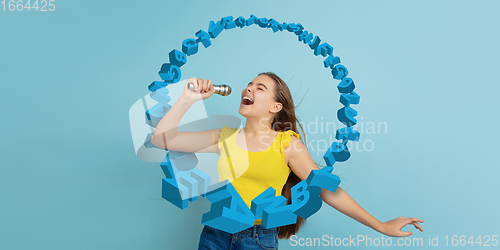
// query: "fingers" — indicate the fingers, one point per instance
point(206, 88)
point(412, 220)
point(417, 226)
point(415, 221)
point(209, 86)
point(407, 233)
point(203, 88)
point(199, 84)
point(204, 85)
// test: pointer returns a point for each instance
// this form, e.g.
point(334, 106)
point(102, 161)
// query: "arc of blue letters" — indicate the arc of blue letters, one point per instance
point(183, 182)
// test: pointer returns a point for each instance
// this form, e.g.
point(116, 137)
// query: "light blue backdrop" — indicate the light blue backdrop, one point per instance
point(424, 70)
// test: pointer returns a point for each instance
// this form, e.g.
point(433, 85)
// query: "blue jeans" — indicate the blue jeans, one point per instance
point(256, 237)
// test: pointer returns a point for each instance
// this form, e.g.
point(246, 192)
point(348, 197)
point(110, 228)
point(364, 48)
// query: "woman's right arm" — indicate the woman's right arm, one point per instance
point(166, 136)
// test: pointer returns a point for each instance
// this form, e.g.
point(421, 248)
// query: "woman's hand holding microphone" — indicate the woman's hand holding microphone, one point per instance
point(203, 89)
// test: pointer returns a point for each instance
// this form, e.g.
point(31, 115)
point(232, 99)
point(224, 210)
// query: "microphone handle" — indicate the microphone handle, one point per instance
point(223, 89)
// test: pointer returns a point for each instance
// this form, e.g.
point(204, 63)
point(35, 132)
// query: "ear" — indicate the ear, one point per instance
point(276, 108)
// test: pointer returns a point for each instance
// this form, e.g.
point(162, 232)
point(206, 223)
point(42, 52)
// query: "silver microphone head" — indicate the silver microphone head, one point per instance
point(223, 89)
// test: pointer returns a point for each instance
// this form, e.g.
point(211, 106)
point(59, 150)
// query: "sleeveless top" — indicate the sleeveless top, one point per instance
point(251, 173)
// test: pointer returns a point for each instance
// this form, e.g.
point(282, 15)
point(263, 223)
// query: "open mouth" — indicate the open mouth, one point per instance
point(246, 101)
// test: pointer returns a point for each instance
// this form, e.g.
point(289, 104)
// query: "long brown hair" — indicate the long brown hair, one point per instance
point(285, 120)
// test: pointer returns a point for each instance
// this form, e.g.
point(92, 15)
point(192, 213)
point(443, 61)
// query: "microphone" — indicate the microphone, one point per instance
point(223, 89)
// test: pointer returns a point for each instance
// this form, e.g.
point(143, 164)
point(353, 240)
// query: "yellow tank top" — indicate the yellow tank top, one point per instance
point(251, 173)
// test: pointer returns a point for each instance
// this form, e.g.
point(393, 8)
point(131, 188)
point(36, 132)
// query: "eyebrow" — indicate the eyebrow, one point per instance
point(260, 84)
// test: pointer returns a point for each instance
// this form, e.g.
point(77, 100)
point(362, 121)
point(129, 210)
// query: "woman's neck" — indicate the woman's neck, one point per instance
point(255, 127)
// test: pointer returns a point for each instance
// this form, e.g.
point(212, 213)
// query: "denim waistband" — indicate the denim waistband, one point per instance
point(258, 229)
point(254, 230)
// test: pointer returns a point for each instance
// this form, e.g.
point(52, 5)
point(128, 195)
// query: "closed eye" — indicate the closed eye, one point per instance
point(260, 84)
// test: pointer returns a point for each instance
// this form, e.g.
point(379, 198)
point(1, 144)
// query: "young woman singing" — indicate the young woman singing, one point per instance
point(267, 152)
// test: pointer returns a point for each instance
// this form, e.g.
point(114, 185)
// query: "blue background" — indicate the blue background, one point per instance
point(69, 176)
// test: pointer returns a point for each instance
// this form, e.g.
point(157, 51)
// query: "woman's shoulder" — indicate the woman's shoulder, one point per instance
point(287, 135)
point(226, 131)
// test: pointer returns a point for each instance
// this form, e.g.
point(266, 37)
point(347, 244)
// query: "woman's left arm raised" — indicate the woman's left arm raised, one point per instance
point(301, 163)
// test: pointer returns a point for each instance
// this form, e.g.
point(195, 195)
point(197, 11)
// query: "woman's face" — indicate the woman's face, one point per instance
point(261, 92)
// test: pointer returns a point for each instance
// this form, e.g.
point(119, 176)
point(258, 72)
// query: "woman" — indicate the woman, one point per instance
point(270, 135)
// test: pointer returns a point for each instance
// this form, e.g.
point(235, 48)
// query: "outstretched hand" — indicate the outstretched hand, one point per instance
point(394, 226)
